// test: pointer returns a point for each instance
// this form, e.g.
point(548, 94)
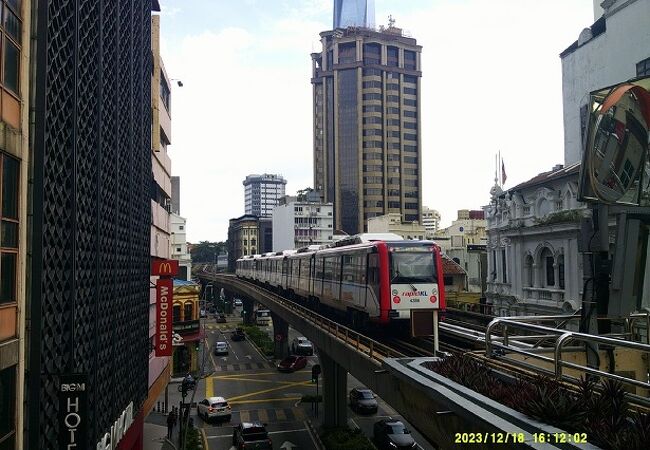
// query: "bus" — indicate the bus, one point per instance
point(263, 317)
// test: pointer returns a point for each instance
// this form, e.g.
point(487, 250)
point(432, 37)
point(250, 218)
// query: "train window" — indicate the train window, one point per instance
point(319, 268)
point(328, 268)
point(373, 268)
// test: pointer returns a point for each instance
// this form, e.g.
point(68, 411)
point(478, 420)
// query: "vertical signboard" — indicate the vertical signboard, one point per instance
point(73, 412)
point(164, 302)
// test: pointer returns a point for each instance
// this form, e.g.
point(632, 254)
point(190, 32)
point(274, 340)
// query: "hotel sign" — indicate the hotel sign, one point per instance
point(164, 301)
point(73, 411)
point(165, 267)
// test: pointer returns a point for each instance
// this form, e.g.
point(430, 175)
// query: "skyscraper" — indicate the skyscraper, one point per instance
point(366, 87)
point(354, 13)
point(262, 192)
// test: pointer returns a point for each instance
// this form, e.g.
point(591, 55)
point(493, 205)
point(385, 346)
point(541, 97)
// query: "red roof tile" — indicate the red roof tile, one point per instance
point(450, 267)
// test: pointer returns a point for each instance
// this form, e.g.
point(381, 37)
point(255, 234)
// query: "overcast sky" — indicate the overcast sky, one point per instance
point(491, 80)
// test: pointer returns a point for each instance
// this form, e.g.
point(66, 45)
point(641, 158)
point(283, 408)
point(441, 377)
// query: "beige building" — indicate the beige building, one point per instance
point(14, 164)
point(367, 144)
point(430, 221)
point(159, 367)
point(392, 223)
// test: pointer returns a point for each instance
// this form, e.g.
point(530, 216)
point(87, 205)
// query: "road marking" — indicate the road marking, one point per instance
point(257, 374)
point(254, 380)
point(279, 413)
point(218, 436)
point(311, 435)
point(263, 416)
point(286, 386)
point(263, 400)
point(244, 416)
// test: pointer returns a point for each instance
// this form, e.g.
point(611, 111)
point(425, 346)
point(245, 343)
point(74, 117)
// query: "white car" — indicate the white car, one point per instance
point(221, 348)
point(238, 302)
point(214, 408)
point(302, 346)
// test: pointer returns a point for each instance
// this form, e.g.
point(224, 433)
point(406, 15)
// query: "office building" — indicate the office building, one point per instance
point(392, 223)
point(354, 13)
point(90, 241)
point(179, 250)
point(176, 195)
point(430, 220)
point(15, 161)
point(299, 223)
point(262, 192)
point(243, 238)
point(366, 93)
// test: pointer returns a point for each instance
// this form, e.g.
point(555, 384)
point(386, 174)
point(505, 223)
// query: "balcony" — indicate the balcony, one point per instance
point(545, 294)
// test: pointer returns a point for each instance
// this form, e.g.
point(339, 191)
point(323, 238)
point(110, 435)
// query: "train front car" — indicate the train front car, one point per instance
point(412, 279)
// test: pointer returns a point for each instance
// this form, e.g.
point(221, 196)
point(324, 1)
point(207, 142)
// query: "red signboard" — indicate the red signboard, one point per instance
point(164, 267)
point(164, 329)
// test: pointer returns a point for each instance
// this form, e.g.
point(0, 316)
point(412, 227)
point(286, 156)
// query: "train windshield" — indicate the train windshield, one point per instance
point(412, 266)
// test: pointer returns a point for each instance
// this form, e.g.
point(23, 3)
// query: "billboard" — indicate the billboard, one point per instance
point(164, 329)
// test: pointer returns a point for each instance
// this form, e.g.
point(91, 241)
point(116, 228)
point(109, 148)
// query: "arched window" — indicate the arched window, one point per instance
point(188, 309)
point(176, 313)
point(547, 267)
point(560, 271)
point(528, 270)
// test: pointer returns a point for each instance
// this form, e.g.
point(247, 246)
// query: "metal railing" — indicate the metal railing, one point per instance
point(562, 337)
point(374, 350)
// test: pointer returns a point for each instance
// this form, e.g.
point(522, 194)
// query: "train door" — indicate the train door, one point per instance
point(372, 291)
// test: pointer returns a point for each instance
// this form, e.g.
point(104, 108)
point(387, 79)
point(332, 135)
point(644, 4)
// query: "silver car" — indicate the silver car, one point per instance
point(221, 348)
point(302, 346)
point(214, 408)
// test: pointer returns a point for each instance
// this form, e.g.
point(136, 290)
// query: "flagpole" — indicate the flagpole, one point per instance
point(500, 176)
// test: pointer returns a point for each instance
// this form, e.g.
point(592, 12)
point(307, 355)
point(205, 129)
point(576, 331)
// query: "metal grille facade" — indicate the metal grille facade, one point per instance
point(92, 211)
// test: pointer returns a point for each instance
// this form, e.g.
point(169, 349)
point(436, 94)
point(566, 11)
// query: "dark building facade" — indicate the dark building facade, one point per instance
point(367, 155)
point(89, 305)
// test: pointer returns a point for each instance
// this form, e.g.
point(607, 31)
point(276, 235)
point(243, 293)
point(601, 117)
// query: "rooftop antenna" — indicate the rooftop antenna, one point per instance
point(391, 21)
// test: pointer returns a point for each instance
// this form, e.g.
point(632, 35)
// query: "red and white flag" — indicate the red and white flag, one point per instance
point(503, 173)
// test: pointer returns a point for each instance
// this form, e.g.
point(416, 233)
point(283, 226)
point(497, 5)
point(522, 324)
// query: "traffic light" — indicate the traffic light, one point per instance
point(197, 345)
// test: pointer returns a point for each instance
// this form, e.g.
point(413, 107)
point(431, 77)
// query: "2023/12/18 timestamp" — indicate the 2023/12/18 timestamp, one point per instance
point(519, 438)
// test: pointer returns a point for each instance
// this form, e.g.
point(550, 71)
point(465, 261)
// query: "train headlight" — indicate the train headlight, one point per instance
point(396, 299)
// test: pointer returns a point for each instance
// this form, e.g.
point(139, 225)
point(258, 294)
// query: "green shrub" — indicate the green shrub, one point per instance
point(345, 439)
point(193, 439)
point(260, 338)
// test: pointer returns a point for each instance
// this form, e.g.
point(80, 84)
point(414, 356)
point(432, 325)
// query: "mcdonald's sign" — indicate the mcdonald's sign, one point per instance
point(164, 267)
point(164, 328)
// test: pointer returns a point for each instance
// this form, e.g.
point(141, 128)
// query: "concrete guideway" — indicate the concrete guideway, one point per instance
point(440, 409)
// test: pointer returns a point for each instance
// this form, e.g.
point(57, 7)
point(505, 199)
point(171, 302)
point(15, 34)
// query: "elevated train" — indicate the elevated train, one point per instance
point(366, 278)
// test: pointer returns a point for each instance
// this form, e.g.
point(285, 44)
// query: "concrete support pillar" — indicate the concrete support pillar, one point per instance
point(335, 387)
point(248, 311)
point(280, 337)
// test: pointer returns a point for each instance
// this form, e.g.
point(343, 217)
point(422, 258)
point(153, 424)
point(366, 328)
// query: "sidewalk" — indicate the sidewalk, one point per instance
point(155, 437)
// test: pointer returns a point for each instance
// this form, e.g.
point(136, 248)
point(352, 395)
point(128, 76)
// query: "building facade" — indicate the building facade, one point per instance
point(533, 231)
point(14, 165)
point(159, 366)
point(176, 194)
point(300, 223)
point(614, 49)
point(187, 324)
point(90, 237)
point(392, 223)
point(430, 220)
point(179, 248)
point(366, 94)
point(243, 238)
point(354, 13)
point(262, 193)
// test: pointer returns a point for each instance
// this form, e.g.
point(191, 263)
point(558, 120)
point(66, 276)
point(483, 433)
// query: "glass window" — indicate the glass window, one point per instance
point(9, 234)
point(188, 310)
point(408, 267)
point(504, 266)
point(560, 271)
point(12, 24)
point(176, 311)
point(11, 65)
point(550, 272)
point(643, 68)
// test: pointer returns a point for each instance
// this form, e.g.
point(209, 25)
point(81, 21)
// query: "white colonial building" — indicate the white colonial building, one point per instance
point(298, 224)
point(179, 248)
point(533, 262)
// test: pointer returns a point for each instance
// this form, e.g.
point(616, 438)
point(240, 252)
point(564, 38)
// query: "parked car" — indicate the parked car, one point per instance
point(292, 363)
point(363, 400)
point(214, 408)
point(220, 348)
point(391, 434)
point(203, 313)
point(251, 435)
point(302, 346)
point(221, 318)
point(238, 302)
point(238, 335)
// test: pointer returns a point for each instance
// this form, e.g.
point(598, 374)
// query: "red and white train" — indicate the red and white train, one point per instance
point(364, 277)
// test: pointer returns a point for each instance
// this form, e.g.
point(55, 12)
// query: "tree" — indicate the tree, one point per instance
point(206, 251)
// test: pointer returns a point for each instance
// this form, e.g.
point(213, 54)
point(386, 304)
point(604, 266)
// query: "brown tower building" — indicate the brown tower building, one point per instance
point(367, 125)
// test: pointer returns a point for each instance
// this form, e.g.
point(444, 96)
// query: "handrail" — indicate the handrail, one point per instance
point(563, 337)
point(374, 350)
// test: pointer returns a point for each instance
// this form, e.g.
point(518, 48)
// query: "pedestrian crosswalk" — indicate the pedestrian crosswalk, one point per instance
point(269, 415)
point(243, 366)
